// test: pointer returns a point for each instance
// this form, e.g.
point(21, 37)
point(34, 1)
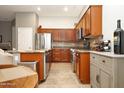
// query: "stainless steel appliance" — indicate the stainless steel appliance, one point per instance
point(73, 59)
point(79, 34)
point(46, 64)
point(119, 39)
point(32, 65)
point(44, 42)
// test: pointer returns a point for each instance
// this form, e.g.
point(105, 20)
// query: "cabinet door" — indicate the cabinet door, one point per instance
point(65, 55)
point(94, 76)
point(84, 68)
point(77, 64)
point(96, 20)
point(88, 18)
point(56, 55)
point(55, 36)
point(105, 79)
point(84, 25)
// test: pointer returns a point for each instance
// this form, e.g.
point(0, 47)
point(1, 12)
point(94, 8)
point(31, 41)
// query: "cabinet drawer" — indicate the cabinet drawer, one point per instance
point(105, 61)
point(93, 58)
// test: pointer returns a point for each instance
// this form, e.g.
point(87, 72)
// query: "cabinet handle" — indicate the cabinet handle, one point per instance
point(97, 78)
point(93, 57)
point(103, 61)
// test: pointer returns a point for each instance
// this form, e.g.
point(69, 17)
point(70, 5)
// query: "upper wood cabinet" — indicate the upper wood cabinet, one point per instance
point(91, 22)
point(84, 24)
point(96, 20)
point(60, 35)
point(87, 29)
point(55, 36)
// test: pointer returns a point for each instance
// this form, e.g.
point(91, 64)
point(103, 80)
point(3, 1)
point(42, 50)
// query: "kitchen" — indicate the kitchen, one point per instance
point(64, 48)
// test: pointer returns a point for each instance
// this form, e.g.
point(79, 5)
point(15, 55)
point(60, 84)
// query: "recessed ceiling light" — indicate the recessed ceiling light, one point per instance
point(65, 9)
point(38, 8)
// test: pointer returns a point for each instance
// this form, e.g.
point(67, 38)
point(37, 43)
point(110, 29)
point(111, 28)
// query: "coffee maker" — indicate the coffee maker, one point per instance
point(119, 39)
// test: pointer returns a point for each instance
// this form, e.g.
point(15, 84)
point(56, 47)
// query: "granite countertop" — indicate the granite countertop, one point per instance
point(29, 51)
point(12, 73)
point(108, 54)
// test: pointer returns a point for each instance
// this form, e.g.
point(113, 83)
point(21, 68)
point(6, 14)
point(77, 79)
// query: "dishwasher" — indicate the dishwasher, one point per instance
point(73, 59)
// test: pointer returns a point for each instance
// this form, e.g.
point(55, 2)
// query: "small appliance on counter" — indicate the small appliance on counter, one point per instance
point(119, 39)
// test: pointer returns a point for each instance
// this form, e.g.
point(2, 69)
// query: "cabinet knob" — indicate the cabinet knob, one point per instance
point(97, 78)
point(93, 57)
point(103, 61)
point(77, 54)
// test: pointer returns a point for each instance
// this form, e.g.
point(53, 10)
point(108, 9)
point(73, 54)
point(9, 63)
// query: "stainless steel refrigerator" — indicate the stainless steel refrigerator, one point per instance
point(43, 41)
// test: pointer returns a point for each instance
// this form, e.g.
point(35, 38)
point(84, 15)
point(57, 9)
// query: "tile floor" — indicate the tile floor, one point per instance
point(61, 76)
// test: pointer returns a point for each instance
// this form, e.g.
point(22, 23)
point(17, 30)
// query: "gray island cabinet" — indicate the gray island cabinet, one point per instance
point(106, 70)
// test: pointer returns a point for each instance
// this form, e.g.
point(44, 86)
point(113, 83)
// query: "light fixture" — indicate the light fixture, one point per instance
point(65, 9)
point(38, 8)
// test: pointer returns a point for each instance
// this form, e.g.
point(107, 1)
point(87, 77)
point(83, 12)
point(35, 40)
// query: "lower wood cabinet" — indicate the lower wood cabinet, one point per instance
point(61, 55)
point(83, 67)
point(84, 74)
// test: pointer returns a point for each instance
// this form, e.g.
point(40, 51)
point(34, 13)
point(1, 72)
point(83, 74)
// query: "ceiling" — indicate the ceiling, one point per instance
point(7, 11)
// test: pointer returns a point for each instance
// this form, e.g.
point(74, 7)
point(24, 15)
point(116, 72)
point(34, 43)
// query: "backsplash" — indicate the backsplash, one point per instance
point(78, 44)
point(63, 45)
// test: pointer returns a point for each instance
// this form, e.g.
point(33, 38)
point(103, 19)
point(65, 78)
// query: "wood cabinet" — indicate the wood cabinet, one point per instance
point(60, 55)
point(83, 67)
point(106, 71)
point(60, 35)
point(39, 57)
point(56, 36)
point(96, 20)
point(87, 29)
point(91, 22)
point(84, 74)
point(84, 25)
point(77, 64)
point(56, 55)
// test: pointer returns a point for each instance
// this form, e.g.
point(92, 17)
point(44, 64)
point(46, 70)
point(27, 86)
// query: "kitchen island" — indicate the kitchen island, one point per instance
point(17, 77)
point(39, 56)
